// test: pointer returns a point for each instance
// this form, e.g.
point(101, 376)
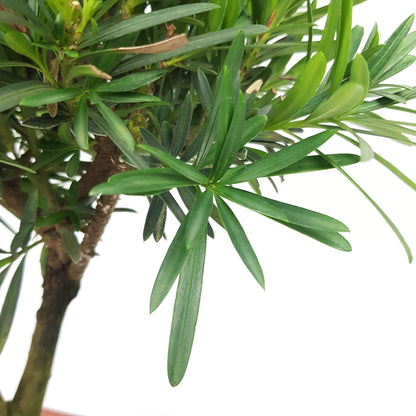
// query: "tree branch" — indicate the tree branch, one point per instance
point(3, 406)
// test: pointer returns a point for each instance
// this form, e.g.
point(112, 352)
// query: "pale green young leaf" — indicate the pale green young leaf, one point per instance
point(185, 313)
point(301, 92)
point(49, 96)
point(359, 73)
point(9, 305)
point(343, 45)
point(343, 100)
point(152, 181)
point(240, 241)
point(22, 45)
point(187, 171)
point(278, 160)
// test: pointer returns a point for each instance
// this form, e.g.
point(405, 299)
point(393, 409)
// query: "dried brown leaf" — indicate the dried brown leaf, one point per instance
point(175, 42)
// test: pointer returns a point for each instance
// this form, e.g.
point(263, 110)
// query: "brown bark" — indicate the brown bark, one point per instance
point(61, 280)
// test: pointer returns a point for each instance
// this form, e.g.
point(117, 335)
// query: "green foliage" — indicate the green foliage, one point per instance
point(229, 105)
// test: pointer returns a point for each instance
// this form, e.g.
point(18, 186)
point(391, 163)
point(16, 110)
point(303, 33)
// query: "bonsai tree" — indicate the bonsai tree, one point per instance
point(210, 99)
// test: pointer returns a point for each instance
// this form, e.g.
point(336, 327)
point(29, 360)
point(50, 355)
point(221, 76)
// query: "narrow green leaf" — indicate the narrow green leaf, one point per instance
point(178, 165)
point(240, 240)
point(183, 123)
point(51, 219)
point(282, 211)
point(252, 128)
point(21, 44)
point(301, 92)
point(132, 81)
point(153, 216)
point(144, 21)
point(3, 275)
point(45, 121)
point(71, 244)
point(235, 56)
point(331, 239)
point(171, 267)
point(185, 313)
point(198, 217)
point(195, 44)
point(128, 97)
point(119, 128)
point(11, 95)
point(6, 261)
point(278, 160)
point(376, 206)
point(315, 163)
point(359, 73)
point(81, 124)
point(11, 162)
point(344, 99)
point(382, 58)
point(73, 165)
point(10, 303)
point(130, 156)
point(86, 71)
point(331, 25)
point(142, 182)
point(203, 89)
point(49, 96)
point(27, 222)
point(343, 45)
point(231, 144)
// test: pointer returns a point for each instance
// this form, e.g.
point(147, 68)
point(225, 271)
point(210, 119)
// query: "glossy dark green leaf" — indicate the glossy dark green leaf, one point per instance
point(282, 211)
point(315, 163)
point(240, 241)
point(104, 125)
point(331, 239)
point(119, 129)
point(276, 161)
point(44, 122)
point(128, 97)
point(11, 95)
point(71, 243)
point(185, 313)
point(144, 21)
point(171, 267)
point(183, 123)
point(231, 143)
point(252, 128)
point(203, 89)
point(73, 165)
point(195, 44)
point(178, 165)
point(27, 222)
point(81, 124)
point(132, 81)
point(10, 162)
point(153, 216)
point(9, 305)
point(49, 96)
point(142, 182)
point(197, 218)
point(51, 219)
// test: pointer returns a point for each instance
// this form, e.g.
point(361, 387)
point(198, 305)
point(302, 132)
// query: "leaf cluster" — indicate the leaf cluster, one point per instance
point(203, 98)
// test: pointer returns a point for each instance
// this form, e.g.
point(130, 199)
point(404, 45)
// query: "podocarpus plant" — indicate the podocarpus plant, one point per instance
point(143, 97)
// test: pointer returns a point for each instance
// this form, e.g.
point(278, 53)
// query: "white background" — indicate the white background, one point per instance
point(333, 334)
